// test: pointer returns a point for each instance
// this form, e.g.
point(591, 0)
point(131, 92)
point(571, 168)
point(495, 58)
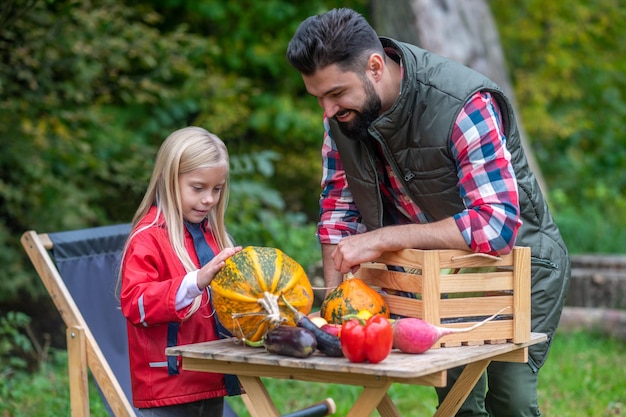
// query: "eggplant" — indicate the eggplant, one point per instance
point(328, 344)
point(290, 341)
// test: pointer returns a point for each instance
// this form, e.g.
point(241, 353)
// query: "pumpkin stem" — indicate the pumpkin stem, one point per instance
point(258, 343)
point(270, 303)
point(295, 311)
point(358, 317)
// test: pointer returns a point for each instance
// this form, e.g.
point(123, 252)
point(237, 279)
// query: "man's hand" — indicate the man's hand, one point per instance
point(354, 250)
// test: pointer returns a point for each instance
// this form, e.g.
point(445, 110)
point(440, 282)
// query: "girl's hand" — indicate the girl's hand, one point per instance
point(208, 271)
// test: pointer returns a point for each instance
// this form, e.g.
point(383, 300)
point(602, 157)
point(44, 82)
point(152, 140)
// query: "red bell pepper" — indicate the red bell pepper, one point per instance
point(369, 340)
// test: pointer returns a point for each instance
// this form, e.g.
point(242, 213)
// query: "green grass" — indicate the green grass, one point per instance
point(584, 376)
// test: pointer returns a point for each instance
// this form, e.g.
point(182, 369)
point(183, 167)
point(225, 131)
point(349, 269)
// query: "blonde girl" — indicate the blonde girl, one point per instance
point(165, 276)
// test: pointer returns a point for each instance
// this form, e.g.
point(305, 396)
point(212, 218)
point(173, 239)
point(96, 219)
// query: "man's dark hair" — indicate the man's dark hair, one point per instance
point(340, 36)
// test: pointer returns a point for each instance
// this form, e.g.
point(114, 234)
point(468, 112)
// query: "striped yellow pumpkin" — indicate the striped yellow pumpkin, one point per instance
point(243, 290)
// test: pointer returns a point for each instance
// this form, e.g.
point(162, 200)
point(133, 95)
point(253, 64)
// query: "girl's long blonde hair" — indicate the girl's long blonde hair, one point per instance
point(183, 151)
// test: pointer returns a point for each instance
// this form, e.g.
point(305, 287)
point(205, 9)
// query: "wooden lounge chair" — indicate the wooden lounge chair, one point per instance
point(81, 281)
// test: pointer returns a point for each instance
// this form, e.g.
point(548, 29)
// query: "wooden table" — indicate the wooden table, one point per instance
point(429, 368)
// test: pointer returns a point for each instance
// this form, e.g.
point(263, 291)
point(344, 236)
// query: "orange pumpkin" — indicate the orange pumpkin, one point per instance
point(246, 292)
point(350, 297)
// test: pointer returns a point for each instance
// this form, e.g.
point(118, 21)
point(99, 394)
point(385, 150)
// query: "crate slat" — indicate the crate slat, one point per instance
point(446, 290)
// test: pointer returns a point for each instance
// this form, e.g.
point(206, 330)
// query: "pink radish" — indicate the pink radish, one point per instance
point(413, 335)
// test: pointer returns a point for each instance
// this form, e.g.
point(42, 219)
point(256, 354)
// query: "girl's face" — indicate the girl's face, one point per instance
point(200, 190)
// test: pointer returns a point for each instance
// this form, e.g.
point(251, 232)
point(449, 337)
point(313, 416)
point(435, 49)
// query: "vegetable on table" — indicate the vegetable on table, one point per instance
point(288, 341)
point(367, 340)
point(246, 291)
point(318, 321)
point(413, 335)
point(327, 343)
point(334, 329)
point(350, 297)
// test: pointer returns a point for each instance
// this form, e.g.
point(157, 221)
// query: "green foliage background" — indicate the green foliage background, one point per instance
point(89, 89)
point(568, 65)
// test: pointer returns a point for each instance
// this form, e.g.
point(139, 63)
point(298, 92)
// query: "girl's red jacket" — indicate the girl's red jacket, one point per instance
point(151, 276)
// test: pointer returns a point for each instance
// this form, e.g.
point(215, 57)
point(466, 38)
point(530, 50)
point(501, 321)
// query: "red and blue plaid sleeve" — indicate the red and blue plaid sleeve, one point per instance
point(339, 216)
point(487, 180)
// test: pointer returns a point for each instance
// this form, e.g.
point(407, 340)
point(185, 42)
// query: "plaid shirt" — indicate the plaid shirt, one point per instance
point(487, 185)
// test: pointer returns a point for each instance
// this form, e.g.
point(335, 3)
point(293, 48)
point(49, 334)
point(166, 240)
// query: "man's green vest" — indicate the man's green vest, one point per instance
point(415, 137)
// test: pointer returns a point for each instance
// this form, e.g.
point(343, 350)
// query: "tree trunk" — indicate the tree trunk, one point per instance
point(462, 30)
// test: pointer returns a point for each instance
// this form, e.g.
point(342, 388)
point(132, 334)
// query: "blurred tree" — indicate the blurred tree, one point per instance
point(88, 90)
point(11, 10)
point(252, 37)
point(568, 66)
point(460, 30)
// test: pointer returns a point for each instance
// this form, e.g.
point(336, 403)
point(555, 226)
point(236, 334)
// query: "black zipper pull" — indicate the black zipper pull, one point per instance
point(409, 176)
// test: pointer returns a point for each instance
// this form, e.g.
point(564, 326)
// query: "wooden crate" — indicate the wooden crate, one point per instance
point(452, 286)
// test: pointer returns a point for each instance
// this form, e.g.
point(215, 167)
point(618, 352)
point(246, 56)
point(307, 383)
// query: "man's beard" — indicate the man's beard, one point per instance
point(358, 127)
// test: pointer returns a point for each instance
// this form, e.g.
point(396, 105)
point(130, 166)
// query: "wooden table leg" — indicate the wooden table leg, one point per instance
point(386, 407)
point(369, 399)
point(461, 388)
point(258, 401)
